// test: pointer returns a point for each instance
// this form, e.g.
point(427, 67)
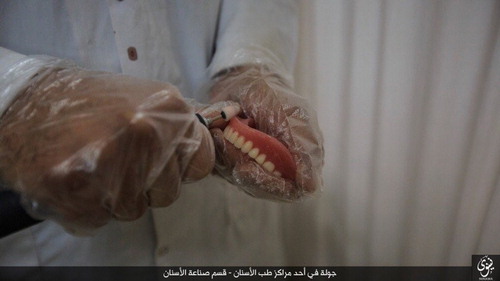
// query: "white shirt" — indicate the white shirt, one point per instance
point(184, 43)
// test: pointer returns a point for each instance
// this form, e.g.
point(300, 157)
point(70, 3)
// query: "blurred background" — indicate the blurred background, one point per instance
point(408, 98)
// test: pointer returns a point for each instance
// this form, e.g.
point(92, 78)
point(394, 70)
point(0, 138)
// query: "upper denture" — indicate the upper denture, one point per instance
point(266, 150)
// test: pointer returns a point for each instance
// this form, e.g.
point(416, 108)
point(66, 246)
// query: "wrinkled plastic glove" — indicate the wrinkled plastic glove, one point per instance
point(269, 101)
point(85, 147)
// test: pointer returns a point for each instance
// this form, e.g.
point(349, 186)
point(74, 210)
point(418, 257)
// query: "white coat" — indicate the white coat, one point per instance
point(184, 43)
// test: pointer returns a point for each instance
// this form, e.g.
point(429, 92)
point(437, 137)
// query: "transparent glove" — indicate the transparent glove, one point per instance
point(274, 109)
point(85, 147)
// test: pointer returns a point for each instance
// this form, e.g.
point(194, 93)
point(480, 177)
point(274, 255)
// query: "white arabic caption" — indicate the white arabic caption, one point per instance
point(248, 273)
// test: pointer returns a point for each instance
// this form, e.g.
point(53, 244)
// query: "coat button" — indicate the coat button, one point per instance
point(132, 53)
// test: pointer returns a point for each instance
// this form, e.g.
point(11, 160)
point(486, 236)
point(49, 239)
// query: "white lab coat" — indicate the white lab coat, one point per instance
point(182, 42)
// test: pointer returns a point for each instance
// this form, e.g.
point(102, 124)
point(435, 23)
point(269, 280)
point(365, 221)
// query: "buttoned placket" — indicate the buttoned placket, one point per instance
point(133, 23)
point(140, 56)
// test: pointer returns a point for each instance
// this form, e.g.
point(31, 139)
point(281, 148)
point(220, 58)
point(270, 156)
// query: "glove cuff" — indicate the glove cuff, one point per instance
point(17, 75)
point(252, 56)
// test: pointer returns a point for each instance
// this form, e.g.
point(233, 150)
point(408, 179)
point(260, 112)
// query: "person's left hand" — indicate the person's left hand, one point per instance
point(277, 111)
point(87, 147)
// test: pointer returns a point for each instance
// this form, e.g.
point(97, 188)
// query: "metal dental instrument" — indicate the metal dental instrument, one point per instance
point(226, 113)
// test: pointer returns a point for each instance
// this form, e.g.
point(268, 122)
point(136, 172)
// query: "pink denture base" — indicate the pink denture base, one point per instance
point(266, 150)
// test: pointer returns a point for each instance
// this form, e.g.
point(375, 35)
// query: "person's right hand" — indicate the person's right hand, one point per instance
point(268, 99)
point(93, 146)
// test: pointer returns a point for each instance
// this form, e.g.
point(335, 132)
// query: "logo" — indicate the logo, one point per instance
point(484, 267)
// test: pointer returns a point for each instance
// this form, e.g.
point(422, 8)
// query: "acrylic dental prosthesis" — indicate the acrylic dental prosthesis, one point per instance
point(272, 155)
point(266, 150)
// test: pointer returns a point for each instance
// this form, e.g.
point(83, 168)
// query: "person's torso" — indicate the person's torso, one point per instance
point(170, 41)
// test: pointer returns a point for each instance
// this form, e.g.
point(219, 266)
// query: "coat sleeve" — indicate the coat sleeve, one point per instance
point(15, 72)
point(264, 32)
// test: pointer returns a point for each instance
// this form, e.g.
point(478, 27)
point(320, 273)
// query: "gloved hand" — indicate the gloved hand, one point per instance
point(277, 111)
point(85, 147)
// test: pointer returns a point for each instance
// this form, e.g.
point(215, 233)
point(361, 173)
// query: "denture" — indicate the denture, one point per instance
point(266, 150)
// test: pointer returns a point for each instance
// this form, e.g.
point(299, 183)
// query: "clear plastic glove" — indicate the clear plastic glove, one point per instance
point(276, 110)
point(86, 147)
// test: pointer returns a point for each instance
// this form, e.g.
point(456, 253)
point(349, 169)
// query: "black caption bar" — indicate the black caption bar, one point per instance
point(235, 273)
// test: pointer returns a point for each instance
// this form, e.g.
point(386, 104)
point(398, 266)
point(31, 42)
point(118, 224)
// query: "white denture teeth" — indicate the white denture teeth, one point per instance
point(268, 166)
point(227, 132)
point(233, 137)
point(260, 159)
point(239, 142)
point(254, 152)
point(247, 147)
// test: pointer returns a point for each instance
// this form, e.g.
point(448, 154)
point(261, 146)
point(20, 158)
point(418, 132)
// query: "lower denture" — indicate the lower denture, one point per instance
point(266, 150)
